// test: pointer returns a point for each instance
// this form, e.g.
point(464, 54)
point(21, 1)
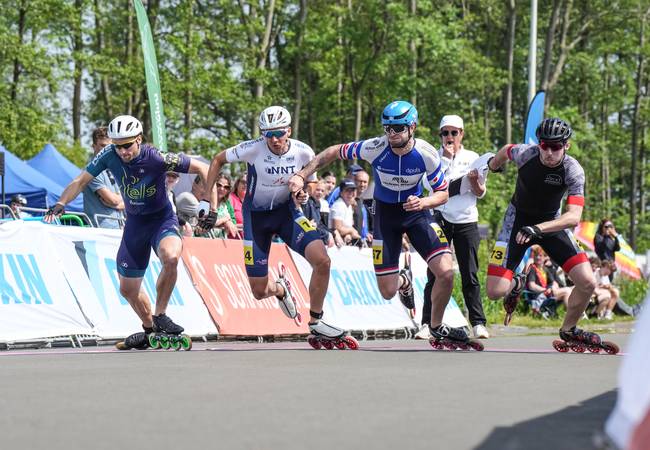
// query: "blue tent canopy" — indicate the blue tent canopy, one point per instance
point(54, 165)
point(40, 191)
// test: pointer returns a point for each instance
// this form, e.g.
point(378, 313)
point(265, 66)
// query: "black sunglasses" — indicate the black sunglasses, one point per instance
point(394, 128)
point(124, 146)
point(447, 133)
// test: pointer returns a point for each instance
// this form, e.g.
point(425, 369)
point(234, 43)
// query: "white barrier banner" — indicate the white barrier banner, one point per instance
point(36, 300)
point(353, 300)
point(90, 267)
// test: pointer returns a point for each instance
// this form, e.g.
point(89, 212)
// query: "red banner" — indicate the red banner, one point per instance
point(218, 272)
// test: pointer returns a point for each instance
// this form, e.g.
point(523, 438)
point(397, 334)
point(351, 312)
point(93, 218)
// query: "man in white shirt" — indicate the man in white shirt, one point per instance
point(342, 213)
point(459, 221)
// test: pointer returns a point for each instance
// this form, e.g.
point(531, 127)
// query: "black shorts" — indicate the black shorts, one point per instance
point(390, 222)
point(560, 246)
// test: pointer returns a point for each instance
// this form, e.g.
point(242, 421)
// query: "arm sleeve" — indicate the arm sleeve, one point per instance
point(175, 162)
point(575, 180)
point(522, 153)
point(97, 183)
point(367, 150)
point(100, 162)
point(435, 174)
point(244, 151)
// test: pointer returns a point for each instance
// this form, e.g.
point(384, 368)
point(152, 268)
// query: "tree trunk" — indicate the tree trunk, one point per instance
point(414, 57)
point(105, 89)
point(22, 17)
point(128, 48)
point(78, 71)
point(263, 52)
point(298, 68)
point(548, 47)
point(187, 62)
point(507, 110)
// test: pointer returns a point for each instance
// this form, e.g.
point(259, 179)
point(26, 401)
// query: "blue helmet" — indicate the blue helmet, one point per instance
point(399, 113)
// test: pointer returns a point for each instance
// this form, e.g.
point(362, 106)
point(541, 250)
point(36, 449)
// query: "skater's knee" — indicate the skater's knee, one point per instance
point(494, 292)
point(322, 263)
point(387, 292)
point(259, 292)
point(445, 277)
point(170, 262)
point(128, 294)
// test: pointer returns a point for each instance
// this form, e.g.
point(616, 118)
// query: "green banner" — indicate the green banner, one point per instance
point(153, 80)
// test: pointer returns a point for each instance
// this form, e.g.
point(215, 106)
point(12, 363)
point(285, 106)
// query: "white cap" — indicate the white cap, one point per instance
point(451, 121)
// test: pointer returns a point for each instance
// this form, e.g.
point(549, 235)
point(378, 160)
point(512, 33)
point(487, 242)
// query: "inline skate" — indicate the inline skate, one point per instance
point(511, 300)
point(406, 295)
point(287, 303)
point(579, 340)
point(166, 334)
point(327, 336)
point(444, 336)
point(137, 341)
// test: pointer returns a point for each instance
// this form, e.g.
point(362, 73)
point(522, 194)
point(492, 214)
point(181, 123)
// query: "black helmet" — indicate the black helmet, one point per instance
point(553, 129)
point(20, 199)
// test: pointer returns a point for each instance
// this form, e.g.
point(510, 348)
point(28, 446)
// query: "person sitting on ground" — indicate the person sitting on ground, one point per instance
point(606, 309)
point(540, 284)
point(602, 297)
point(342, 213)
point(16, 204)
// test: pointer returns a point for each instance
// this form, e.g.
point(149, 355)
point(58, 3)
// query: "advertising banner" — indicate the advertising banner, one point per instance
point(36, 300)
point(353, 300)
point(218, 271)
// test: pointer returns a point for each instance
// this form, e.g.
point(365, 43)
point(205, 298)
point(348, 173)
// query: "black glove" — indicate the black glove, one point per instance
point(55, 210)
point(208, 222)
point(500, 169)
point(531, 232)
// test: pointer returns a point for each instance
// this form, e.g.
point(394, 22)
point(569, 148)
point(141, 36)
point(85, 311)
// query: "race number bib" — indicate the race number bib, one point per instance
point(498, 254)
point(305, 224)
point(439, 233)
point(248, 253)
point(377, 252)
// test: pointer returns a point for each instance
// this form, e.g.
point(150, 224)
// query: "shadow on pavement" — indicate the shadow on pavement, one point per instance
point(570, 428)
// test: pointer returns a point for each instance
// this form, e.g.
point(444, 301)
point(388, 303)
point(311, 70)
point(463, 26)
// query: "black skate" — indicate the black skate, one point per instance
point(511, 300)
point(444, 336)
point(406, 295)
point(579, 340)
point(167, 334)
point(328, 336)
point(137, 341)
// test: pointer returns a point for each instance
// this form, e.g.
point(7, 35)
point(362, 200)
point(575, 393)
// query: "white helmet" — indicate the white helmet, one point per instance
point(124, 127)
point(274, 117)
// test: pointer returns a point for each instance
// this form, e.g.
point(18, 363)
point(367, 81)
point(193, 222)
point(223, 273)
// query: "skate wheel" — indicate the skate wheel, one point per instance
point(164, 342)
point(176, 344)
point(594, 349)
point(186, 343)
point(314, 342)
point(154, 342)
point(351, 342)
point(298, 318)
point(578, 348)
point(339, 344)
point(476, 345)
point(463, 346)
point(560, 346)
point(437, 345)
point(610, 348)
point(328, 345)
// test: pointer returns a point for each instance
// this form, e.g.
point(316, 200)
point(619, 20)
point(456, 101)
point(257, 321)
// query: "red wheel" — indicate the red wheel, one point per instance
point(351, 342)
point(578, 348)
point(560, 346)
point(476, 345)
point(450, 345)
point(610, 348)
point(339, 344)
point(463, 346)
point(327, 344)
point(594, 349)
point(437, 345)
point(314, 342)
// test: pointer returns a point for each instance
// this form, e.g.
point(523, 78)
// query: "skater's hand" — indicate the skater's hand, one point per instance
point(296, 183)
point(413, 203)
point(301, 197)
point(207, 222)
point(525, 234)
point(53, 213)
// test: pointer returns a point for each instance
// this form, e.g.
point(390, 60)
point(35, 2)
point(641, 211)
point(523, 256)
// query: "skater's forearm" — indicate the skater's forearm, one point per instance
point(569, 220)
point(213, 172)
point(321, 160)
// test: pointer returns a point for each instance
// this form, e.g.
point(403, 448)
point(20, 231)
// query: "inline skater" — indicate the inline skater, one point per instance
point(151, 223)
point(545, 174)
point(399, 161)
point(269, 209)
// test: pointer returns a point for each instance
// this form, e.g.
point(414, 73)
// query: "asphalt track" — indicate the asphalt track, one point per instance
point(518, 394)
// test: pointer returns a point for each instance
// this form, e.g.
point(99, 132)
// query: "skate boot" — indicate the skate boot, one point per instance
point(137, 341)
point(167, 334)
point(406, 291)
point(328, 336)
point(510, 301)
point(287, 302)
point(444, 336)
point(579, 340)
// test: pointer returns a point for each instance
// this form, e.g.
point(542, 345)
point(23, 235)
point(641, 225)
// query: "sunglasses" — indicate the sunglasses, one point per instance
point(388, 129)
point(223, 186)
point(447, 133)
point(124, 146)
point(274, 133)
point(609, 225)
point(552, 146)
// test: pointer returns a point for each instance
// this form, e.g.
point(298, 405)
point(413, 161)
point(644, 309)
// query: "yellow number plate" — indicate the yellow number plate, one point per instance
point(498, 254)
point(439, 233)
point(305, 224)
point(377, 252)
point(248, 255)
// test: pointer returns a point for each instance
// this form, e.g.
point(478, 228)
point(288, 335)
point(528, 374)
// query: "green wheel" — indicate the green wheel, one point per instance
point(154, 342)
point(176, 343)
point(186, 342)
point(164, 342)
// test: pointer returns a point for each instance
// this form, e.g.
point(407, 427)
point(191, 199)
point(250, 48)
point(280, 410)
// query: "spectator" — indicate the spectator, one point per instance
point(349, 175)
point(237, 198)
point(171, 180)
point(362, 217)
point(311, 210)
point(225, 225)
point(602, 295)
point(102, 195)
point(330, 182)
point(606, 242)
point(606, 309)
point(187, 210)
point(542, 288)
point(318, 194)
point(16, 204)
point(342, 213)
